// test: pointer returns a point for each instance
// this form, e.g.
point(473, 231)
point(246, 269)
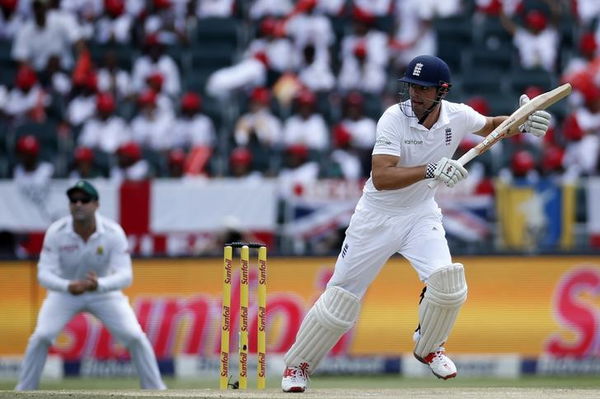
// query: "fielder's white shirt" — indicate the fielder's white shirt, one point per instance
point(415, 145)
point(65, 256)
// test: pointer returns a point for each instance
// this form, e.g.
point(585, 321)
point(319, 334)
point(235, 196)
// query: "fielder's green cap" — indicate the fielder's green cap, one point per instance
point(85, 187)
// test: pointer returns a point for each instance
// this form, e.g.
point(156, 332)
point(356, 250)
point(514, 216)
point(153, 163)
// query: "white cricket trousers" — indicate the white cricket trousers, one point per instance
point(113, 310)
point(373, 237)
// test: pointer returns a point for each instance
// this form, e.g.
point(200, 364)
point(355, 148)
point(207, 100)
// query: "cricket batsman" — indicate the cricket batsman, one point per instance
point(397, 213)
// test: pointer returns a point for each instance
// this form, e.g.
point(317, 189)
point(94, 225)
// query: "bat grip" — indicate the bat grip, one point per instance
point(467, 156)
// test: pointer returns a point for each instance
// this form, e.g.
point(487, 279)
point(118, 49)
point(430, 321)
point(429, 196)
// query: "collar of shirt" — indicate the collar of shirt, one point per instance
point(442, 120)
point(99, 227)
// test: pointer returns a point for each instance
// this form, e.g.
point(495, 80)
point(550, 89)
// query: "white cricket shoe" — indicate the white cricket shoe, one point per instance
point(441, 365)
point(295, 379)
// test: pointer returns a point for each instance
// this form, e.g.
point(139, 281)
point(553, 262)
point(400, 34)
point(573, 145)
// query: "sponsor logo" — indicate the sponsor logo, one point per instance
point(262, 279)
point(68, 248)
point(413, 141)
point(262, 362)
point(243, 364)
point(100, 250)
point(244, 272)
point(226, 318)
point(224, 364)
point(417, 70)
point(577, 313)
point(262, 317)
point(244, 319)
point(227, 271)
point(383, 140)
point(344, 250)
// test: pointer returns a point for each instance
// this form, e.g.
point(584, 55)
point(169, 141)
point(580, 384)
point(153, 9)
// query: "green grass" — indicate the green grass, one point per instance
point(319, 382)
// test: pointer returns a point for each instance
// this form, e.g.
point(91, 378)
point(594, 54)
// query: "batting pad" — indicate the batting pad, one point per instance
point(334, 313)
point(445, 294)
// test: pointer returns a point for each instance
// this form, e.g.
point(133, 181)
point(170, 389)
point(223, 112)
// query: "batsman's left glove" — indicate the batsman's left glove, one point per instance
point(537, 123)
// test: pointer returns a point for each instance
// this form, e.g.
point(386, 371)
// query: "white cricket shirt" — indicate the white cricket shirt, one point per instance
point(416, 145)
point(65, 256)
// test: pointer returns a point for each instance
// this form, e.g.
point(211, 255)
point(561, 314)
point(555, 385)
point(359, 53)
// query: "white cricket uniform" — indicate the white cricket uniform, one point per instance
point(65, 257)
point(407, 220)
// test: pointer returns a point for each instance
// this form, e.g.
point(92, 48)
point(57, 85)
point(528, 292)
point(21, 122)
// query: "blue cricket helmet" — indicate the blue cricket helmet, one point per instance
point(427, 70)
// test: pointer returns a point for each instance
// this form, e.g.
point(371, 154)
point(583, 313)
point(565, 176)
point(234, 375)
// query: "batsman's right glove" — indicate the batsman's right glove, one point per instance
point(446, 170)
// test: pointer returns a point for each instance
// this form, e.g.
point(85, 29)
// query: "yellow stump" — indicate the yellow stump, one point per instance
point(243, 348)
point(261, 371)
point(226, 317)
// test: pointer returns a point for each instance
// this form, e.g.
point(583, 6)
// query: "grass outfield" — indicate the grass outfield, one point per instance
point(326, 387)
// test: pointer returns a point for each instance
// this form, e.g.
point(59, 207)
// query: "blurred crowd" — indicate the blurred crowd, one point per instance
point(136, 89)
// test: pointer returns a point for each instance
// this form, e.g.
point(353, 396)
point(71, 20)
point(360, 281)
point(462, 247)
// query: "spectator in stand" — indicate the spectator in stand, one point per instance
point(587, 11)
point(360, 128)
point(305, 25)
point(113, 79)
point(167, 20)
point(414, 34)
point(41, 38)
point(54, 78)
point(155, 82)
point(588, 52)
point(358, 74)
point(83, 166)
point(315, 73)
point(552, 162)
point(582, 132)
point(522, 169)
point(32, 175)
point(176, 159)
point(240, 165)
point(345, 158)
point(105, 131)
point(270, 8)
point(306, 127)
point(537, 39)
point(83, 105)
point(155, 60)
point(11, 20)
point(130, 164)
point(364, 31)
point(67, 20)
point(297, 171)
point(278, 48)
point(193, 128)
point(152, 128)
point(115, 25)
point(27, 100)
point(249, 73)
point(332, 8)
point(258, 126)
point(376, 8)
point(214, 8)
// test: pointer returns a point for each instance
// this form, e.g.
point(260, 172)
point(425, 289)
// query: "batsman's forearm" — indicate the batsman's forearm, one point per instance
point(394, 178)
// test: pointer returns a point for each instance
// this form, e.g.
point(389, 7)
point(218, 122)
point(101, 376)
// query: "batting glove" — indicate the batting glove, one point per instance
point(537, 123)
point(448, 171)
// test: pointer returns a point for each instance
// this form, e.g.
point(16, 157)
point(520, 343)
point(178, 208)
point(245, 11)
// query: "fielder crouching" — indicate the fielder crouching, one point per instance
point(84, 264)
point(397, 213)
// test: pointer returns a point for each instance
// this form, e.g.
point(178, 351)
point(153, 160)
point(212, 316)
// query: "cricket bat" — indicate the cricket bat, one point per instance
point(516, 119)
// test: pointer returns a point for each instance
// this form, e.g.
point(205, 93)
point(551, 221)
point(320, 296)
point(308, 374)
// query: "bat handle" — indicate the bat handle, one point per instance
point(467, 156)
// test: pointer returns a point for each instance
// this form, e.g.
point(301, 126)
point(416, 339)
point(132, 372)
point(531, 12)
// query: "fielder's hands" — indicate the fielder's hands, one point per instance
point(537, 123)
point(78, 287)
point(448, 171)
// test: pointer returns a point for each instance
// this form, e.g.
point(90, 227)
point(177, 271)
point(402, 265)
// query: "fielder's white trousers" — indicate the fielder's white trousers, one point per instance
point(373, 237)
point(114, 312)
